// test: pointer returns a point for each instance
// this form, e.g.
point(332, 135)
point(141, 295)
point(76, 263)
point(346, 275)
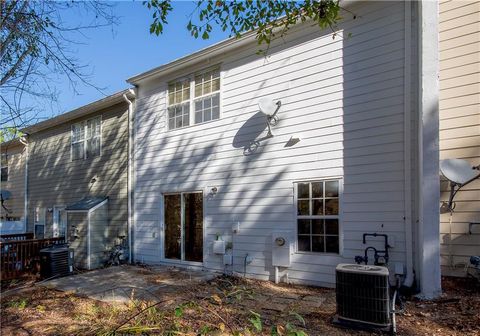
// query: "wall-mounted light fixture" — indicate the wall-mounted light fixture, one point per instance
point(214, 190)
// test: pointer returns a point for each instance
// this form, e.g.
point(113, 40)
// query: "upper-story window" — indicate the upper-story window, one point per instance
point(4, 168)
point(204, 102)
point(86, 138)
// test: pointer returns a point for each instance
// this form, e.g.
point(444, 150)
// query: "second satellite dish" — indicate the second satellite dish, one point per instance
point(458, 171)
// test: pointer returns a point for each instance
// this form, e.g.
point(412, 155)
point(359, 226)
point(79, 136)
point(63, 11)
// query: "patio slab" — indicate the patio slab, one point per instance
point(122, 284)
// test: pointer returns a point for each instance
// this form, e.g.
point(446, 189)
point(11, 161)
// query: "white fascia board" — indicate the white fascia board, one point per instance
point(98, 206)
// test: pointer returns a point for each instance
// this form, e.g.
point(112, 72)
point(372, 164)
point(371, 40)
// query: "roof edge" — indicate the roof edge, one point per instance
point(213, 50)
point(80, 112)
point(210, 51)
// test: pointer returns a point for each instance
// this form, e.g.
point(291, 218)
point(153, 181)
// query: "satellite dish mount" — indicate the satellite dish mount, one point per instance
point(270, 109)
point(459, 173)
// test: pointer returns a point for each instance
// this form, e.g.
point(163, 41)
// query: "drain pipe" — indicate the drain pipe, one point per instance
point(408, 281)
point(24, 141)
point(130, 171)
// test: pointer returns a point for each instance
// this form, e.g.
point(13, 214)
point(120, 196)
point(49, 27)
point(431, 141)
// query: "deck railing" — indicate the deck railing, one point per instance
point(17, 236)
point(22, 256)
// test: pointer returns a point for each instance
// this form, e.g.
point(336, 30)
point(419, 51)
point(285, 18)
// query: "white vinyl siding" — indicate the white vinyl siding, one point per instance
point(459, 34)
point(344, 99)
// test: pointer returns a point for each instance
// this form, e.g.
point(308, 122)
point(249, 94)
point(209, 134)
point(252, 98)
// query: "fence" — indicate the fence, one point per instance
point(22, 256)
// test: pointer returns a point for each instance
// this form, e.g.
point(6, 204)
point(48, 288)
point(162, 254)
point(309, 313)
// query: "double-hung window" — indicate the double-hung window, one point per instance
point(86, 138)
point(4, 168)
point(318, 209)
point(194, 100)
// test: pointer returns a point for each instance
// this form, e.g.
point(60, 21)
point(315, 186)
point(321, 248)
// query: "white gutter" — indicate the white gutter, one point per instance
point(24, 141)
point(130, 172)
point(408, 281)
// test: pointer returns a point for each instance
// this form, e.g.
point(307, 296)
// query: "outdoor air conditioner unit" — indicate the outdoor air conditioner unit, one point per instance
point(56, 261)
point(363, 297)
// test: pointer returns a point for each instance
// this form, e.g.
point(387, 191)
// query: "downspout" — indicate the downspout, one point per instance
point(130, 173)
point(24, 141)
point(408, 281)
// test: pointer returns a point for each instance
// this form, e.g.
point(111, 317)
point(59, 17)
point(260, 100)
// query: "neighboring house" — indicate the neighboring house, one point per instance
point(12, 187)
point(460, 127)
point(354, 151)
point(78, 178)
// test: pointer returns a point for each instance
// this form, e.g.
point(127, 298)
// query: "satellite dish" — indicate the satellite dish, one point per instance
point(267, 106)
point(270, 109)
point(458, 171)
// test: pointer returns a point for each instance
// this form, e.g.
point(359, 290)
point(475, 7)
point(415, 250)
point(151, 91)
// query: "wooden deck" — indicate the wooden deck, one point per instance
point(19, 254)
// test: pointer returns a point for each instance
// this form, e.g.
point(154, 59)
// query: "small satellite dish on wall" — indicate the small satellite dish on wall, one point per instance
point(459, 173)
point(270, 109)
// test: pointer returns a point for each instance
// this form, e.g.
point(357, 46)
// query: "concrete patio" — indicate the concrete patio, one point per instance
point(124, 283)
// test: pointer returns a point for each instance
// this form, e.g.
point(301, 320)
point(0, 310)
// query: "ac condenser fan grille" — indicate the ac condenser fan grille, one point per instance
point(363, 297)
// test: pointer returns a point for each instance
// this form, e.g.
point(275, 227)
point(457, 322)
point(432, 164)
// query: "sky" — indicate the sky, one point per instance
point(115, 54)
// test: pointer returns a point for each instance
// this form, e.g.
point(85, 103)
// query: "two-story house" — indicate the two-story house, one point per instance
point(323, 140)
point(78, 175)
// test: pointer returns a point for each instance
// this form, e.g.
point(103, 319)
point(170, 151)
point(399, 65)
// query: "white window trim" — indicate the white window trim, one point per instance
point(55, 220)
point(340, 217)
point(85, 123)
point(182, 247)
point(40, 222)
point(191, 100)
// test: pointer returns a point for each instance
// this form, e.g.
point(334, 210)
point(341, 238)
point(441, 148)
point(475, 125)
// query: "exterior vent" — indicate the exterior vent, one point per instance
point(363, 295)
point(56, 261)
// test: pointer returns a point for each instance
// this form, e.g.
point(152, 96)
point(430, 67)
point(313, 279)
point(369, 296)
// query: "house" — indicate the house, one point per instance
point(352, 150)
point(460, 128)
point(78, 173)
point(12, 187)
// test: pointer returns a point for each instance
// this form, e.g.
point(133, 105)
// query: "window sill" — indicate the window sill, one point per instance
point(192, 126)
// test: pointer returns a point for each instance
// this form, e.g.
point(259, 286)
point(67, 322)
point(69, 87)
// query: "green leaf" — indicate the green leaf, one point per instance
point(256, 321)
point(179, 311)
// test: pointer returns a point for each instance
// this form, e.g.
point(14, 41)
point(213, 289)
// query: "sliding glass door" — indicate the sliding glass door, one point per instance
point(183, 229)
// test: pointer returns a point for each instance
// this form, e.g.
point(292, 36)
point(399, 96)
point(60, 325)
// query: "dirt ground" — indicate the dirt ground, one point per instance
point(227, 306)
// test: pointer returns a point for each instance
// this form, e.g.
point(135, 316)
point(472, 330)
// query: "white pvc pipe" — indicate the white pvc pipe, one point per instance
point(277, 280)
point(130, 174)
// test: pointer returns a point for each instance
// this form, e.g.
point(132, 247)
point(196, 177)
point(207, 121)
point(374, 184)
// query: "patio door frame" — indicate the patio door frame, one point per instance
point(182, 229)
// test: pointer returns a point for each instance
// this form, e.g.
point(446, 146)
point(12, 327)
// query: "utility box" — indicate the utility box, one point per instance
point(281, 248)
point(227, 259)
point(219, 247)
